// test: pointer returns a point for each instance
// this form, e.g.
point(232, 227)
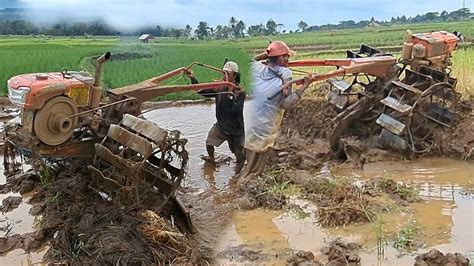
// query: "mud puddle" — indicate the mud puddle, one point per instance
point(444, 185)
point(18, 221)
point(443, 218)
point(194, 122)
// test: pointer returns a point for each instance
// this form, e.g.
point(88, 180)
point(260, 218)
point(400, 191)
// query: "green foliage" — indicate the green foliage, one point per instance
point(45, 175)
point(406, 239)
point(32, 55)
point(277, 187)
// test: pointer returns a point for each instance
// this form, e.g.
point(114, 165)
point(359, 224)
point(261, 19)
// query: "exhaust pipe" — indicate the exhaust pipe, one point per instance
point(98, 67)
point(96, 89)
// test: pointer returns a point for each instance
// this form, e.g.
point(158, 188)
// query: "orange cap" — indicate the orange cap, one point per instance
point(279, 48)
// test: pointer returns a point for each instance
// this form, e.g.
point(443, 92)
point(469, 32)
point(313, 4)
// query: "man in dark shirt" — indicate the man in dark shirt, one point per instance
point(229, 113)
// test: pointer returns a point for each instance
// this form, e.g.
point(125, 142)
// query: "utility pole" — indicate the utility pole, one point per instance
point(463, 3)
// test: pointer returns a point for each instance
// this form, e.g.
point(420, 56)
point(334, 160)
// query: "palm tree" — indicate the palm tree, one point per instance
point(271, 27)
point(239, 29)
point(202, 30)
point(232, 23)
point(187, 31)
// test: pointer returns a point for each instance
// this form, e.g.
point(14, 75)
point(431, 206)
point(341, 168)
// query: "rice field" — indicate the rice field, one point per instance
point(136, 62)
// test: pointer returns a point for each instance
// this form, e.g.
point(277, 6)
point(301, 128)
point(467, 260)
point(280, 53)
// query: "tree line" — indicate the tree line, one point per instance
point(234, 29)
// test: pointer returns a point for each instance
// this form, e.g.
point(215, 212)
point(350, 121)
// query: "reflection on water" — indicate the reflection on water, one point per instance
point(194, 122)
point(445, 215)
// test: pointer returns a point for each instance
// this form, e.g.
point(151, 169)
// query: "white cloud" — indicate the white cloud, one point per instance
point(132, 13)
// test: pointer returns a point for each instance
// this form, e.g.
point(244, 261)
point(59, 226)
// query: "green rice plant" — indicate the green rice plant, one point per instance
point(381, 236)
point(463, 70)
point(279, 188)
point(45, 175)
point(407, 238)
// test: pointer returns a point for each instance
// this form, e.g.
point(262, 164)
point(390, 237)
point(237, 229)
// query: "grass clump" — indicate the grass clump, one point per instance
point(399, 190)
point(339, 202)
point(406, 239)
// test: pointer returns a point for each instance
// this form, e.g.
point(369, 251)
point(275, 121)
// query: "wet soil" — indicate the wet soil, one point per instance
point(434, 258)
point(80, 226)
point(228, 236)
point(339, 202)
point(10, 203)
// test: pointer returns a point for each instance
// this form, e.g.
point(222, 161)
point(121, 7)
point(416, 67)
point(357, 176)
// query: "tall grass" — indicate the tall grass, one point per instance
point(463, 70)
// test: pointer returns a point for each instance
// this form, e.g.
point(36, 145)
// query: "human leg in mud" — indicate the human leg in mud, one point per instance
point(255, 162)
point(214, 139)
point(236, 146)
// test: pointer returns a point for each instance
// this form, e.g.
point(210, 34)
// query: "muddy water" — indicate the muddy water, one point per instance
point(446, 187)
point(446, 214)
point(194, 122)
point(18, 221)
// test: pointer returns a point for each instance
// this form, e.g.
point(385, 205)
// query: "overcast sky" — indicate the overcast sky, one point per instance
point(132, 13)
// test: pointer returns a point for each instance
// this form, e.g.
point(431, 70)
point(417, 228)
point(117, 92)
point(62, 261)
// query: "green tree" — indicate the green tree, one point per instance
point(431, 16)
point(239, 29)
point(444, 15)
point(176, 33)
point(303, 26)
point(232, 24)
point(202, 30)
point(256, 30)
point(187, 31)
point(271, 27)
point(222, 32)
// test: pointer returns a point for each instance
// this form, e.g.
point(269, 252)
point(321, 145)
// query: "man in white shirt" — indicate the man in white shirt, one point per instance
point(271, 97)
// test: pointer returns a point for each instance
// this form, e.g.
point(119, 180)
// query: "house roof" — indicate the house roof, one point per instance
point(145, 36)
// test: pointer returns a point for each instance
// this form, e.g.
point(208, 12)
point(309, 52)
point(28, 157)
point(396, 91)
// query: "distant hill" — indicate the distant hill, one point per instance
point(12, 13)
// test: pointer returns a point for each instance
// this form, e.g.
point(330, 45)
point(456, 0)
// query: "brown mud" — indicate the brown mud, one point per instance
point(301, 155)
point(80, 226)
point(76, 232)
point(10, 203)
point(434, 258)
point(339, 202)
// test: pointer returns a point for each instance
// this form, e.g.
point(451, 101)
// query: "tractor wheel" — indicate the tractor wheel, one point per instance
point(51, 124)
point(436, 108)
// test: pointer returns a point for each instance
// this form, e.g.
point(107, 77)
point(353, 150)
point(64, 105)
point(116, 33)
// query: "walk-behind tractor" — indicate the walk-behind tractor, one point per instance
point(67, 114)
point(409, 98)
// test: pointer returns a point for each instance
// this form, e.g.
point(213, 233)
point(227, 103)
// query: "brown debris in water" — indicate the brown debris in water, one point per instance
point(340, 253)
point(339, 202)
point(259, 192)
point(243, 253)
point(436, 258)
point(399, 192)
point(10, 203)
point(303, 258)
point(28, 241)
point(20, 183)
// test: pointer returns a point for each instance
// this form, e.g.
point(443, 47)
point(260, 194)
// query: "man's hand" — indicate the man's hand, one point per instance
point(237, 91)
point(260, 57)
point(189, 73)
point(307, 81)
